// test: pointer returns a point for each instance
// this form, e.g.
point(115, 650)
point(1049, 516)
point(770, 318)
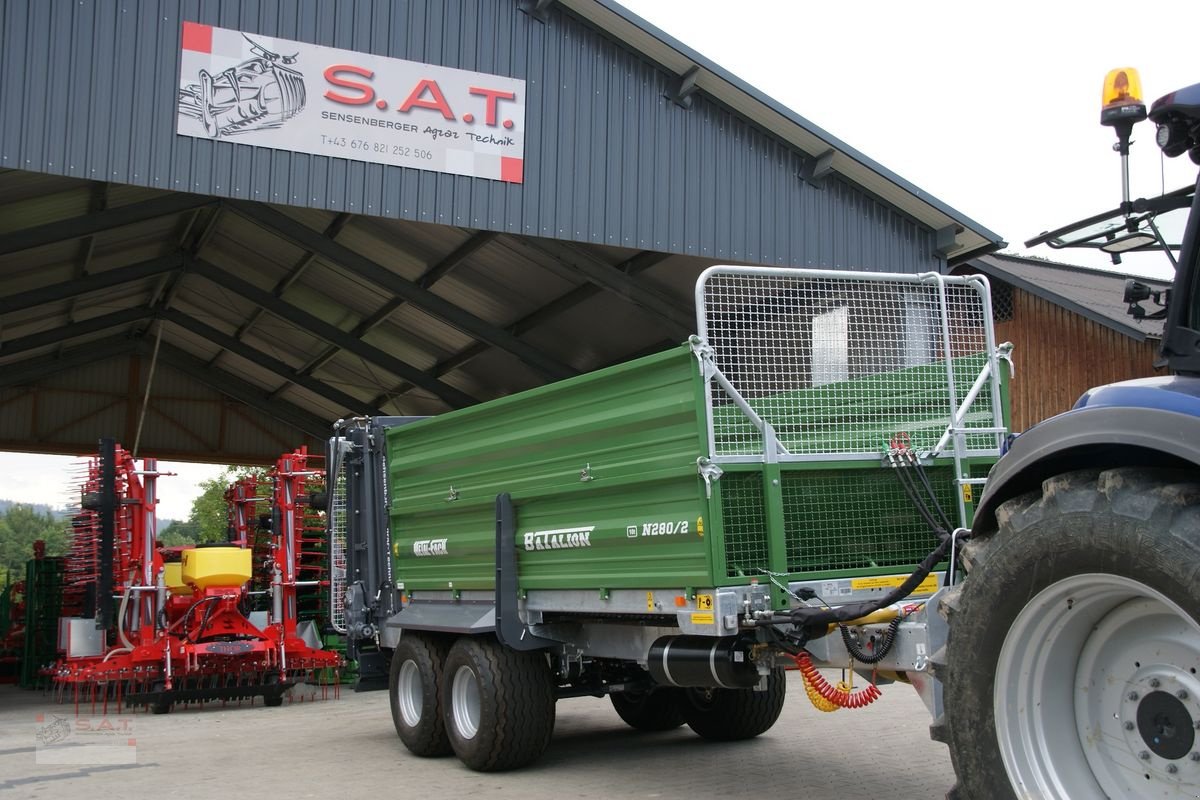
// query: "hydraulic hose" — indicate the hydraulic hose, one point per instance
point(807, 616)
point(877, 655)
point(121, 613)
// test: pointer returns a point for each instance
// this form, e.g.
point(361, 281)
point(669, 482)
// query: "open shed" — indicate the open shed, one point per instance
point(186, 267)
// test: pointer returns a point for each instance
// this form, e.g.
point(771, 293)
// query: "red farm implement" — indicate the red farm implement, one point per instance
point(157, 626)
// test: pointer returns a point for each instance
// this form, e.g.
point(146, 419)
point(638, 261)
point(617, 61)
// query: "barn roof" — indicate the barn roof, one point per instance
point(1095, 294)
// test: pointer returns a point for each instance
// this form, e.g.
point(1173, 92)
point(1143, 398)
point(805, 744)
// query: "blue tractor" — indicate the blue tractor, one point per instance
point(1071, 664)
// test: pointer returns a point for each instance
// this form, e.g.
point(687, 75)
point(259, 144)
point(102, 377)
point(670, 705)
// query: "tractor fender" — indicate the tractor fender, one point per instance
point(1099, 437)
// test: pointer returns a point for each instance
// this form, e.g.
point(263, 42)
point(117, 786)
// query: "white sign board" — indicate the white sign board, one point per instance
point(241, 87)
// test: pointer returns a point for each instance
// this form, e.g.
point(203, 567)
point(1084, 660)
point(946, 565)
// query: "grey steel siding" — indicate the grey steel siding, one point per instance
point(88, 89)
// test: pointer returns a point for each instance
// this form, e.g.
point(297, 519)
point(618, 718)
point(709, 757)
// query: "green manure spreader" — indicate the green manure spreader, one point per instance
point(785, 490)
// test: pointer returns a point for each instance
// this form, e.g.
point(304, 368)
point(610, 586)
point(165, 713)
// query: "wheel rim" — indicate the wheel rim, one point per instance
point(410, 694)
point(1097, 692)
point(464, 703)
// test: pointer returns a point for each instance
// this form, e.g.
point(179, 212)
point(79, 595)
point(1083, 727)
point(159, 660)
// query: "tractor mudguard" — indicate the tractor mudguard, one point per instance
point(1091, 436)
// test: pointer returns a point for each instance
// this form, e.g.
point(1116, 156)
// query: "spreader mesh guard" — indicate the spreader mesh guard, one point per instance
point(839, 364)
point(830, 377)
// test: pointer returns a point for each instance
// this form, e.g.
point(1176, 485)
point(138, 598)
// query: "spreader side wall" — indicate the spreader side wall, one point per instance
point(602, 471)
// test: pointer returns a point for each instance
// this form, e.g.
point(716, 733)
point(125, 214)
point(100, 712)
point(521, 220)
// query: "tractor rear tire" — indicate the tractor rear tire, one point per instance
point(659, 709)
point(498, 704)
point(729, 715)
point(414, 688)
point(1074, 642)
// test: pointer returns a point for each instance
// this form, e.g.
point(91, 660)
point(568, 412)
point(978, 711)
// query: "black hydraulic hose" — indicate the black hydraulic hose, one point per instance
point(810, 616)
point(910, 490)
point(204, 621)
point(187, 614)
point(885, 644)
point(924, 476)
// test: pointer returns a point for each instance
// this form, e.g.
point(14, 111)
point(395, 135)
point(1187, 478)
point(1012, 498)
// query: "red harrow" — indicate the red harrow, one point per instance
point(156, 627)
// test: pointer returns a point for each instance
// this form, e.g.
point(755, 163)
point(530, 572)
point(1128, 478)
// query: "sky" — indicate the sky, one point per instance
point(993, 108)
point(54, 481)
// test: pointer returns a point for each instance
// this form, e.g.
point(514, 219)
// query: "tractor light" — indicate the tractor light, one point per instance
point(1121, 99)
point(1163, 135)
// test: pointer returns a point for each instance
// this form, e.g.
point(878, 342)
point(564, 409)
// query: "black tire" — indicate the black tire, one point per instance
point(273, 692)
point(514, 695)
point(161, 704)
point(1118, 526)
point(418, 662)
point(729, 715)
point(658, 709)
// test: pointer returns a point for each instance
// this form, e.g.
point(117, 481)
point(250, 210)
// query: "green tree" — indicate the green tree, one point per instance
point(20, 527)
point(209, 520)
point(178, 534)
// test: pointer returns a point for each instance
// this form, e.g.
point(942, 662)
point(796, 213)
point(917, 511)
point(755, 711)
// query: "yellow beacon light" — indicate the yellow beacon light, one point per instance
point(1121, 101)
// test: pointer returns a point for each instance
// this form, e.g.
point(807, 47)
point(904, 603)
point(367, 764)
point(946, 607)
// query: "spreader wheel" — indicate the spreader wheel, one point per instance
point(728, 715)
point(658, 709)
point(414, 687)
point(498, 704)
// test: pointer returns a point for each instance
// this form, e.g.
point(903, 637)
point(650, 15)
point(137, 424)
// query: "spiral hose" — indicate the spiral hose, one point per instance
point(842, 695)
point(814, 697)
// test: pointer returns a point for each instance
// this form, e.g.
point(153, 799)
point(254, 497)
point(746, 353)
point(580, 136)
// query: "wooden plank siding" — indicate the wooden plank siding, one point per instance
point(1059, 354)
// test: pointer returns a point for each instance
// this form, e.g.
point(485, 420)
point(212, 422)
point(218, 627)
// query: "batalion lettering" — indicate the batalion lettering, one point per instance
point(563, 539)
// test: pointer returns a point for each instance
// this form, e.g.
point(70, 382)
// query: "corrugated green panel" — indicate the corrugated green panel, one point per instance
point(633, 431)
point(451, 549)
point(643, 535)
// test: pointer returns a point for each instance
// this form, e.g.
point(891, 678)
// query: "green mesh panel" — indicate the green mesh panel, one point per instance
point(745, 522)
point(835, 520)
point(857, 520)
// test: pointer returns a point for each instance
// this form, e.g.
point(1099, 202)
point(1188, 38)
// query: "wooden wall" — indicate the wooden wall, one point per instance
point(1059, 354)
